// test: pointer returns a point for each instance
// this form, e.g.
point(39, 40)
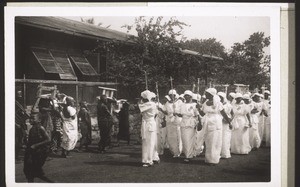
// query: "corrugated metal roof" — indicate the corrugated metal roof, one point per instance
point(190, 52)
point(73, 27)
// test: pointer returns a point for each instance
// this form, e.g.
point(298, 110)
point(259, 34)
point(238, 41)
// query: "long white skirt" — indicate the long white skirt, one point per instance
point(240, 136)
point(254, 138)
point(261, 127)
point(70, 134)
point(226, 138)
point(213, 142)
point(161, 140)
point(173, 139)
point(267, 131)
point(188, 135)
point(148, 147)
point(199, 142)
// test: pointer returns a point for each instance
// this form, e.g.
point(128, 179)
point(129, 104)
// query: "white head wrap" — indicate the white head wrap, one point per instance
point(232, 95)
point(212, 91)
point(267, 92)
point(237, 95)
point(261, 95)
point(181, 96)
point(222, 94)
point(188, 92)
point(145, 94)
point(246, 96)
point(172, 92)
point(151, 95)
point(256, 94)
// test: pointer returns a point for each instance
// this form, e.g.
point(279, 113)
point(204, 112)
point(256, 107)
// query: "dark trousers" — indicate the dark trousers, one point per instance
point(105, 127)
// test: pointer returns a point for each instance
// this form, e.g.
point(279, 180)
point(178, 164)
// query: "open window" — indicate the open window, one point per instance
point(64, 63)
point(83, 64)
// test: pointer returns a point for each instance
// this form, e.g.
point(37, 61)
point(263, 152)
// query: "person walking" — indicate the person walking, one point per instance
point(38, 147)
point(124, 133)
point(70, 127)
point(105, 122)
point(189, 114)
point(241, 123)
point(226, 131)
point(85, 126)
point(149, 127)
point(212, 124)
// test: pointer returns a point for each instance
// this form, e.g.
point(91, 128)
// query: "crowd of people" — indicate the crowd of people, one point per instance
point(214, 124)
point(189, 124)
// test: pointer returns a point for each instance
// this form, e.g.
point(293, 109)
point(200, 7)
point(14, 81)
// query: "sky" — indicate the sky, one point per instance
point(227, 30)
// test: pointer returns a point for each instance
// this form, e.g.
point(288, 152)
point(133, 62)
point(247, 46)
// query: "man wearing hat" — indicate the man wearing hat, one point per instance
point(148, 128)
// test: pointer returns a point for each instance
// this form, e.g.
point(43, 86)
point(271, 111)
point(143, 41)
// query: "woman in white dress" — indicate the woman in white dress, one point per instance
point(212, 125)
point(70, 127)
point(267, 119)
point(226, 131)
point(148, 128)
point(189, 113)
point(173, 124)
point(241, 123)
point(254, 138)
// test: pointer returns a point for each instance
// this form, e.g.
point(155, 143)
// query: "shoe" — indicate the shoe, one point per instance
point(186, 160)
point(146, 165)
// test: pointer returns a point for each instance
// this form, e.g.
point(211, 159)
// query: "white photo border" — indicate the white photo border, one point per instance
point(186, 9)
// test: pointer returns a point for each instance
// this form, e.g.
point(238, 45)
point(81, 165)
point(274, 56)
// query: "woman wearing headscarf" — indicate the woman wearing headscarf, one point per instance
point(259, 105)
point(254, 138)
point(226, 131)
point(212, 124)
point(173, 124)
point(267, 118)
point(189, 114)
point(241, 123)
point(148, 129)
point(70, 127)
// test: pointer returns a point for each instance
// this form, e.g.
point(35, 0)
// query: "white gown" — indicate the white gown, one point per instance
point(173, 128)
point(240, 133)
point(212, 124)
point(261, 126)
point(70, 130)
point(226, 133)
point(267, 123)
point(148, 131)
point(161, 134)
point(187, 126)
point(254, 138)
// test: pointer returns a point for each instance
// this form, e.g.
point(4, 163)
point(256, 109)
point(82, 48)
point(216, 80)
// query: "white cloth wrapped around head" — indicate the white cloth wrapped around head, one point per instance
point(222, 94)
point(232, 94)
point(151, 96)
point(188, 92)
point(212, 91)
point(181, 96)
point(238, 95)
point(267, 92)
point(256, 94)
point(172, 92)
point(146, 94)
point(246, 96)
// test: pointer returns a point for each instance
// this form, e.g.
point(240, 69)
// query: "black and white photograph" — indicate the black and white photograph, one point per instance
point(158, 94)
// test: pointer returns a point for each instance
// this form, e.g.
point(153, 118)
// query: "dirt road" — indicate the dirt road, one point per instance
point(123, 164)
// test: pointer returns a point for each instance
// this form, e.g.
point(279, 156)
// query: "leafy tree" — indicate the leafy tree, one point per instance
point(247, 63)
